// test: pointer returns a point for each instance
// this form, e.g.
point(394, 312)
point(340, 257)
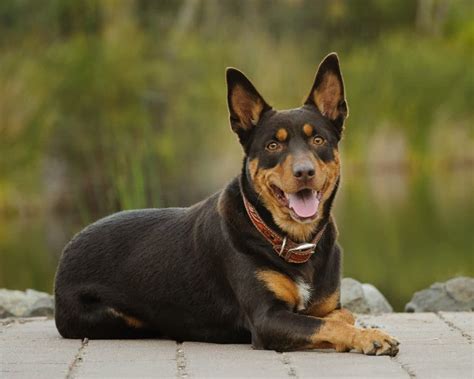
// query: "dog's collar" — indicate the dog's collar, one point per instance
point(287, 249)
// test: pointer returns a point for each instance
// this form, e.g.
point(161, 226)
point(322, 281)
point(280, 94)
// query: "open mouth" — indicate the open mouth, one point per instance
point(303, 205)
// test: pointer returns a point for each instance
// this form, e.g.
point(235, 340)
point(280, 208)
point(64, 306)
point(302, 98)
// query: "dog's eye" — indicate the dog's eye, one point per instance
point(318, 140)
point(273, 146)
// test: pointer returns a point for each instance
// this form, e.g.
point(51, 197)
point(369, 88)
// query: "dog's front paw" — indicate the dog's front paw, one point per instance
point(375, 342)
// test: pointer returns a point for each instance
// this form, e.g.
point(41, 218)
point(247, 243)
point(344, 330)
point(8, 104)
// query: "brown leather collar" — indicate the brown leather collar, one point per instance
point(289, 250)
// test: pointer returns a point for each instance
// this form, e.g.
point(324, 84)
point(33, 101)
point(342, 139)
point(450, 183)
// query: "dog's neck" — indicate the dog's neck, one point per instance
point(297, 232)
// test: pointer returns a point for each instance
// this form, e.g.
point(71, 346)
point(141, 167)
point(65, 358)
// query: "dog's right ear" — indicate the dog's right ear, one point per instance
point(246, 105)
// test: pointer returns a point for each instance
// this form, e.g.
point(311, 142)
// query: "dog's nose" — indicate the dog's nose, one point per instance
point(303, 170)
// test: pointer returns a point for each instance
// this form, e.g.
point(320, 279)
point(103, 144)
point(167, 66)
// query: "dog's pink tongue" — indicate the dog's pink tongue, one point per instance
point(304, 205)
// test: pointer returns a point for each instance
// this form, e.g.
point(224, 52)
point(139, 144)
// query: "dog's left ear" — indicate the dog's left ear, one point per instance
point(246, 105)
point(327, 93)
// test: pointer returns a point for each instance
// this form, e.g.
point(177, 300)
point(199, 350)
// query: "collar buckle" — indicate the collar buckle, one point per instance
point(301, 247)
point(282, 249)
point(304, 246)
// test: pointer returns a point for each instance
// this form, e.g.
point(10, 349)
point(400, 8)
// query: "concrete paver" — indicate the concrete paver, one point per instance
point(35, 349)
point(432, 346)
point(463, 321)
point(326, 364)
point(127, 358)
point(227, 361)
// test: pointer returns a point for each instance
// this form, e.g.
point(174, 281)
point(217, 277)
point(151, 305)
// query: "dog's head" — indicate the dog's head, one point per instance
point(292, 158)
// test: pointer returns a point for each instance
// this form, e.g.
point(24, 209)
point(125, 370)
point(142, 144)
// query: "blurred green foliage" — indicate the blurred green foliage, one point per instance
point(130, 95)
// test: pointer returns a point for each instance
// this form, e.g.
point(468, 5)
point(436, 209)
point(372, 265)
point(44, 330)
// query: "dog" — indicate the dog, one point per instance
point(254, 263)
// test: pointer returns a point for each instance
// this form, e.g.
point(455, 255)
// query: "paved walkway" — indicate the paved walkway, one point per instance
point(432, 346)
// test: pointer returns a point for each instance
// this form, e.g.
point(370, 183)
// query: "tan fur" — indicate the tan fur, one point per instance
point(325, 306)
point(341, 315)
point(328, 95)
point(282, 135)
point(278, 175)
point(253, 167)
point(332, 171)
point(282, 176)
point(308, 130)
point(335, 332)
point(129, 320)
point(345, 337)
point(281, 285)
point(247, 107)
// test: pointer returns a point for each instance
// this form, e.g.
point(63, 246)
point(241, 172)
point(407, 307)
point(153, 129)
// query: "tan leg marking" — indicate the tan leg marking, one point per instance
point(129, 320)
point(324, 306)
point(281, 285)
point(342, 315)
point(345, 337)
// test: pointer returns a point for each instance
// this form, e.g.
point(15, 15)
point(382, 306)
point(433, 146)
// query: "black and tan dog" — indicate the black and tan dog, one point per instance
point(257, 262)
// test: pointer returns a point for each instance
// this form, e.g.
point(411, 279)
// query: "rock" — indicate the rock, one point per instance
point(12, 303)
point(352, 296)
point(4, 312)
point(363, 298)
point(376, 301)
point(42, 307)
point(461, 289)
point(25, 304)
point(456, 294)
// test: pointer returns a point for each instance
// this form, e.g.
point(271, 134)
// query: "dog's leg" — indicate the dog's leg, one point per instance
point(345, 337)
point(284, 330)
point(341, 315)
point(277, 326)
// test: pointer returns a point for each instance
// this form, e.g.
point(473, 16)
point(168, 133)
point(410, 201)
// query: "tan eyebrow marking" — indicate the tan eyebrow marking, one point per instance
point(281, 135)
point(308, 130)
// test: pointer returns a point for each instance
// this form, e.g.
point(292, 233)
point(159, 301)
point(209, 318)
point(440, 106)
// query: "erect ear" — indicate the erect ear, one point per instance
point(327, 93)
point(246, 106)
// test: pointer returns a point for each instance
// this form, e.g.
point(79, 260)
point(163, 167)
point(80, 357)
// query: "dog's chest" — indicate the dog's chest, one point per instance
point(304, 293)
